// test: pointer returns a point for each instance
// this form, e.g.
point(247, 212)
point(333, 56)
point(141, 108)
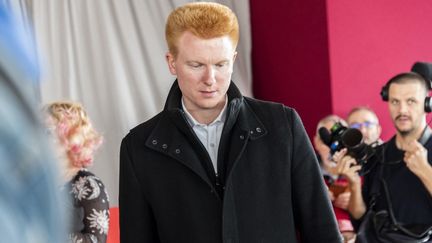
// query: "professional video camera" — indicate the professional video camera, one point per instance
point(341, 137)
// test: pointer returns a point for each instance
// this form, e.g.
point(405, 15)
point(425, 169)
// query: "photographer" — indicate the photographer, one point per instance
point(400, 170)
point(364, 119)
point(338, 190)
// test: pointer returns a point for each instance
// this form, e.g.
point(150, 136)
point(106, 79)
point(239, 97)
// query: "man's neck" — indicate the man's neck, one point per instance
point(206, 116)
point(403, 139)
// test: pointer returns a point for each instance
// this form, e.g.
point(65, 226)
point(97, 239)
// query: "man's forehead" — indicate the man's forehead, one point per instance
point(411, 89)
point(362, 115)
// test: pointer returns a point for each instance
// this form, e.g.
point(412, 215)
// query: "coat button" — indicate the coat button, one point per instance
point(177, 151)
point(164, 146)
point(154, 142)
point(258, 129)
point(241, 137)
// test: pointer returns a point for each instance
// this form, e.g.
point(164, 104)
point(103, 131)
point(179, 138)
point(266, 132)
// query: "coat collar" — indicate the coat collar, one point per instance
point(174, 137)
point(173, 101)
point(236, 106)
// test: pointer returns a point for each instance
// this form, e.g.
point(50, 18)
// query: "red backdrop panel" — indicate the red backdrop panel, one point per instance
point(324, 57)
point(290, 58)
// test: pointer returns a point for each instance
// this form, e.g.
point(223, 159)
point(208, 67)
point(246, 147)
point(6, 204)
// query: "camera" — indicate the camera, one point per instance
point(340, 137)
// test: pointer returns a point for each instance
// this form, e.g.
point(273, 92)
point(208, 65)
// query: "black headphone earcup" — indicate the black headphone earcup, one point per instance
point(428, 104)
point(384, 93)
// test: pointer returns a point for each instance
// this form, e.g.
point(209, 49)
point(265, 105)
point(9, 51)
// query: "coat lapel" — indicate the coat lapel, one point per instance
point(247, 127)
point(173, 137)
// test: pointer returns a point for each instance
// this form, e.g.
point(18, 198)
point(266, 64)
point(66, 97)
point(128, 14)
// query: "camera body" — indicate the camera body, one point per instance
point(340, 137)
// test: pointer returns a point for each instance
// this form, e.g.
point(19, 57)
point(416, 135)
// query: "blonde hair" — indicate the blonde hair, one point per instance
point(203, 19)
point(74, 131)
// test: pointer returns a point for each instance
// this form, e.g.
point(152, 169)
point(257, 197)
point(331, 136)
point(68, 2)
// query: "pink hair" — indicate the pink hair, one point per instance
point(74, 131)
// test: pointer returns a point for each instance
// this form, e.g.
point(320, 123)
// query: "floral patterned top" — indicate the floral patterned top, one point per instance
point(89, 208)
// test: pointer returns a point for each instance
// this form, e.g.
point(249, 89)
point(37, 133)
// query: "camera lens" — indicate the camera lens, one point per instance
point(352, 137)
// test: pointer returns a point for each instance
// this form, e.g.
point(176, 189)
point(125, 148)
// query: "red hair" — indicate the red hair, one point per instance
point(205, 20)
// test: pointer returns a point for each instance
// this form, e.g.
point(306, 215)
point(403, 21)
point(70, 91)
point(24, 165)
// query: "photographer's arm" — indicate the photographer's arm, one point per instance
point(416, 160)
point(347, 166)
point(356, 206)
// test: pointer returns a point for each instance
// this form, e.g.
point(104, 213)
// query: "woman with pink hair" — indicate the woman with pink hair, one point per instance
point(77, 142)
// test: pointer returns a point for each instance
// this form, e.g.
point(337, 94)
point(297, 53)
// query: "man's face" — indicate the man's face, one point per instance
point(406, 106)
point(203, 68)
point(367, 123)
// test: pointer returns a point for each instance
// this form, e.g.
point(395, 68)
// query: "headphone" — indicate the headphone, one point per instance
point(421, 71)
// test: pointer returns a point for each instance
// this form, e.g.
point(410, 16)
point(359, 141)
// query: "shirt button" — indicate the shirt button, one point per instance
point(212, 145)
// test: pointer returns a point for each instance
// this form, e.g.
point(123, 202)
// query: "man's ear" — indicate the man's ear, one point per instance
point(171, 63)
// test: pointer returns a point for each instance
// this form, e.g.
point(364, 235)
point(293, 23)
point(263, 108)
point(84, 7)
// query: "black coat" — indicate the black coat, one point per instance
point(271, 191)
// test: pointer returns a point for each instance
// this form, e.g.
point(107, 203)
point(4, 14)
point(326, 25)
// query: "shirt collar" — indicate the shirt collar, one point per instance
point(220, 118)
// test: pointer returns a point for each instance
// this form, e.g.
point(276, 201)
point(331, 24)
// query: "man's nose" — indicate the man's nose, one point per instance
point(403, 107)
point(210, 76)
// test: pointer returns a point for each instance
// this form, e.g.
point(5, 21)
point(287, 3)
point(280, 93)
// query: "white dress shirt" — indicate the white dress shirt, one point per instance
point(210, 134)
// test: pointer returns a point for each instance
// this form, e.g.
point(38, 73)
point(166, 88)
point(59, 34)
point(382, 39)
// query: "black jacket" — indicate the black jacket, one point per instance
point(270, 190)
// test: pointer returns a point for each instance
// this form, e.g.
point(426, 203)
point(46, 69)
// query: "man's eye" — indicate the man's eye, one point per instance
point(195, 65)
point(221, 64)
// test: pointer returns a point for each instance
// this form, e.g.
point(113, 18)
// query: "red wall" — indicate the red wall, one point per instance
point(290, 57)
point(114, 227)
point(324, 57)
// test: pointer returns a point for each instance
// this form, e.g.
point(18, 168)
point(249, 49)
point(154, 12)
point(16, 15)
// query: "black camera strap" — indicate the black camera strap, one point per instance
point(427, 231)
point(375, 188)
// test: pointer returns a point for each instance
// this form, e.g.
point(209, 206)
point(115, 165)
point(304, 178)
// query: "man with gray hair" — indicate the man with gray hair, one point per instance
point(365, 119)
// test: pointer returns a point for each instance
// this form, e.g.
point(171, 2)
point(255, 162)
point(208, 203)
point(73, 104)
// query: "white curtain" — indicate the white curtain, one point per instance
point(110, 56)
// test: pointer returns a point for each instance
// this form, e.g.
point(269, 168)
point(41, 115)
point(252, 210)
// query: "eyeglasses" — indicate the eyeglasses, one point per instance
point(366, 124)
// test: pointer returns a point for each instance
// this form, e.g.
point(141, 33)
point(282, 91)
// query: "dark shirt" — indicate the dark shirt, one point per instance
point(412, 203)
point(89, 209)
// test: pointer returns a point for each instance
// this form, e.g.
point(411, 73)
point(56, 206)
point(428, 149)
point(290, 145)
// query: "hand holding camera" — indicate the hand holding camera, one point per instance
point(347, 166)
point(347, 141)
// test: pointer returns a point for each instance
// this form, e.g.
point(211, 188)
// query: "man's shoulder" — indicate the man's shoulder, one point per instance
point(142, 130)
point(264, 105)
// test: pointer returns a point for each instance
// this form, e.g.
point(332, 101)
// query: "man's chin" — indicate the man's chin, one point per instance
point(404, 131)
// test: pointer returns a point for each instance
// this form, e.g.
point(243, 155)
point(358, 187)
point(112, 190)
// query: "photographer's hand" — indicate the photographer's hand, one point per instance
point(347, 166)
point(415, 158)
